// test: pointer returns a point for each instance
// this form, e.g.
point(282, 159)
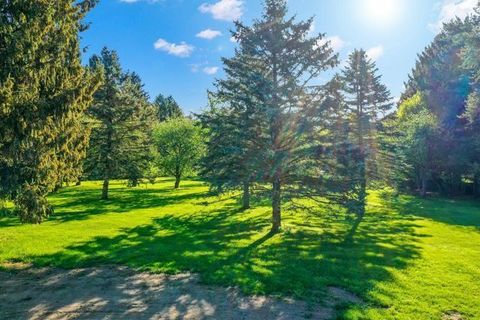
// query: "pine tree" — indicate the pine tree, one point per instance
point(167, 108)
point(235, 122)
point(286, 59)
point(366, 100)
point(122, 122)
point(44, 92)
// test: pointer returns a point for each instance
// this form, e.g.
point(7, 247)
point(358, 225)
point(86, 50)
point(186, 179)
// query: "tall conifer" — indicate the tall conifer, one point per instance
point(44, 92)
point(366, 100)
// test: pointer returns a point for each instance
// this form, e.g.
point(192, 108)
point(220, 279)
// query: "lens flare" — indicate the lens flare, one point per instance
point(383, 12)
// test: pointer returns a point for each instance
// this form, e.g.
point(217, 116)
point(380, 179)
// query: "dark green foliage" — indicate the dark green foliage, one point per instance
point(167, 108)
point(122, 121)
point(44, 92)
point(270, 84)
point(235, 122)
point(366, 100)
point(447, 75)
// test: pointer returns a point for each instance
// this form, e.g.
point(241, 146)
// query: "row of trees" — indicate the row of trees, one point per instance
point(61, 121)
point(132, 138)
point(435, 132)
point(271, 128)
point(271, 123)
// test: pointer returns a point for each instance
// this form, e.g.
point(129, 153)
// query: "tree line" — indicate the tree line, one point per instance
point(271, 128)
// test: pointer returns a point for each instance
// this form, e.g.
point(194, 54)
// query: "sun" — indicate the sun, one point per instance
point(383, 12)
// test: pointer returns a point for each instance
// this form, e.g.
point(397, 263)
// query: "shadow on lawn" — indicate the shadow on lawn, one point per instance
point(461, 212)
point(228, 250)
point(80, 204)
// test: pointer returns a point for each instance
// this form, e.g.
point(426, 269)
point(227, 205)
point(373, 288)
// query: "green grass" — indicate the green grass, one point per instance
point(407, 259)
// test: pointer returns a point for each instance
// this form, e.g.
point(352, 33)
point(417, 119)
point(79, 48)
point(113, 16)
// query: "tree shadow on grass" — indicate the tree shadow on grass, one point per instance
point(81, 205)
point(229, 250)
point(460, 212)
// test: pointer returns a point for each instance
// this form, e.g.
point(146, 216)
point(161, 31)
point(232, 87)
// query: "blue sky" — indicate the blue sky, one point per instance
point(176, 45)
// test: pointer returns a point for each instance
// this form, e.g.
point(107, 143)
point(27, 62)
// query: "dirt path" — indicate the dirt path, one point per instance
point(120, 293)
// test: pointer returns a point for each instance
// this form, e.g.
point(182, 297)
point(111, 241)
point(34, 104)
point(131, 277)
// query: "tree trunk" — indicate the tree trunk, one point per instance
point(476, 185)
point(246, 196)
point(362, 197)
point(106, 182)
point(79, 183)
point(177, 182)
point(423, 190)
point(276, 204)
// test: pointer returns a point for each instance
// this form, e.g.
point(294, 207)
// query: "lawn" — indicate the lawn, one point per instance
point(407, 259)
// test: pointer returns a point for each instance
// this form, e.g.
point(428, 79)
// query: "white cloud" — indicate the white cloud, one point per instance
point(336, 43)
point(227, 10)
point(450, 9)
point(210, 70)
point(375, 53)
point(209, 34)
point(180, 50)
point(233, 39)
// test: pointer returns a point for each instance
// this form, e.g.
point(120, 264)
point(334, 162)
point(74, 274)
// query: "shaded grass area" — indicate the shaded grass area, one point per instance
point(407, 259)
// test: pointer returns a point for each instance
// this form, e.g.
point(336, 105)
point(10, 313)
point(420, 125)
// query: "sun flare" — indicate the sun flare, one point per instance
point(382, 12)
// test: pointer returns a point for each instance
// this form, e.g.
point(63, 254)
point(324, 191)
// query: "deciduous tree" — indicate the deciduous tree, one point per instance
point(180, 144)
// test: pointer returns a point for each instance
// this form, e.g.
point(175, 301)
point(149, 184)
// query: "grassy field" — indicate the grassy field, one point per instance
point(407, 259)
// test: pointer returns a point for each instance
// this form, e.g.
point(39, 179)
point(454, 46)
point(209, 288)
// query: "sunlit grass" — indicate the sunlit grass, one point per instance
point(407, 259)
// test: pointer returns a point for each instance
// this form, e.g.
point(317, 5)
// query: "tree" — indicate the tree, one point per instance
point(418, 130)
point(284, 60)
point(235, 124)
point(471, 63)
point(167, 108)
point(366, 99)
point(122, 119)
point(44, 92)
point(445, 75)
point(180, 145)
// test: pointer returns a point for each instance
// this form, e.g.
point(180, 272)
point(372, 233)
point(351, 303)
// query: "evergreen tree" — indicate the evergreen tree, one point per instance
point(167, 108)
point(44, 92)
point(235, 122)
point(285, 61)
point(122, 120)
point(366, 100)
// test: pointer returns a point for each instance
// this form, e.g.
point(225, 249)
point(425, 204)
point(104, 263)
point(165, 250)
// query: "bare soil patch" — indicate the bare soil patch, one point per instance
point(121, 293)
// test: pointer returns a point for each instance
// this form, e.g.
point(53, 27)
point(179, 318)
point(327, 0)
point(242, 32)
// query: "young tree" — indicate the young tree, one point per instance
point(417, 138)
point(180, 145)
point(44, 92)
point(366, 99)
point(121, 120)
point(285, 61)
point(167, 108)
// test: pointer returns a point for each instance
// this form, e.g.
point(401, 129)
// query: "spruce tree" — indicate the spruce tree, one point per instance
point(235, 123)
point(366, 100)
point(286, 60)
point(167, 108)
point(122, 122)
point(44, 92)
